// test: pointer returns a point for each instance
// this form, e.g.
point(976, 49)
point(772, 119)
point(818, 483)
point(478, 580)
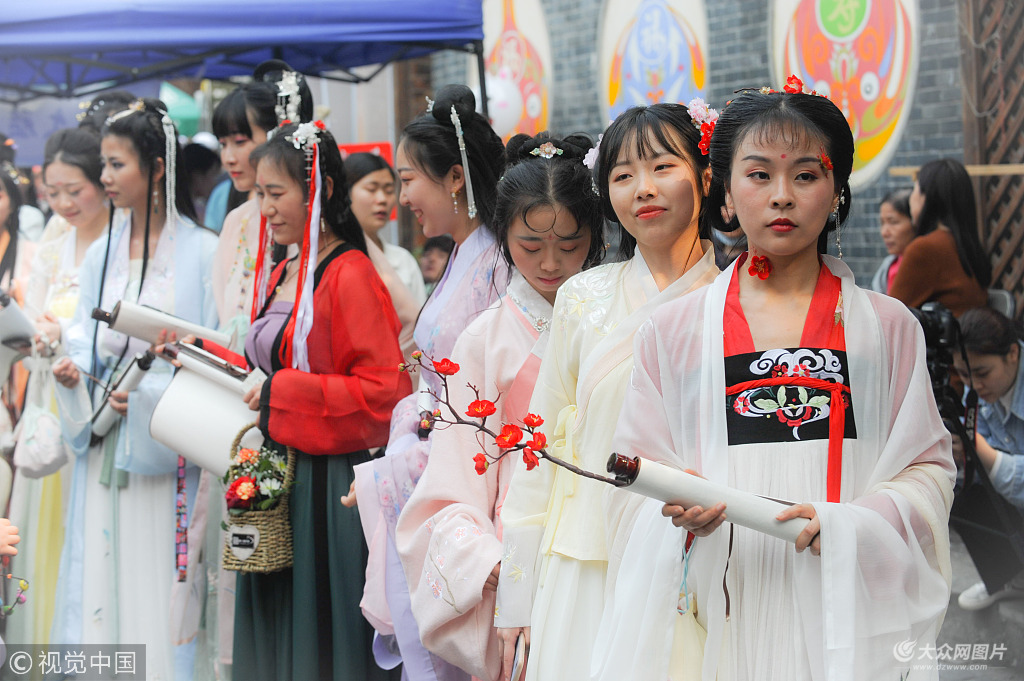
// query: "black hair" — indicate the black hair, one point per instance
point(334, 209)
point(255, 100)
point(444, 243)
point(358, 166)
point(949, 201)
point(78, 147)
point(145, 131)
point(899, 199)
point(199, 159)
point(271, 71)
point(561, 181)
point(985, 331)
point(9, 177)
point(94, 117)
point(431, 144)
point(649, 127)
point(8, 150)
point(790, 117)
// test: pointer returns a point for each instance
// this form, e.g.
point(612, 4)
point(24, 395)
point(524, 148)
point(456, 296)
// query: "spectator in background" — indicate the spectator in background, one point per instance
point(945, 262)
point(897, 230)
point(371, 188)
point(993, 344)
point(203, 170)
point(433, 259)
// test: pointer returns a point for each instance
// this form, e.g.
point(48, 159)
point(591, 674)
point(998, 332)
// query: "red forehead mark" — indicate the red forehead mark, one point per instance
point(783, 156)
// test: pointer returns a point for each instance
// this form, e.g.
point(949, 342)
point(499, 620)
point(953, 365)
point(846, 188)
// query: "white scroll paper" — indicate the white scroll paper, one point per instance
point(673, 486)
point(146, 323)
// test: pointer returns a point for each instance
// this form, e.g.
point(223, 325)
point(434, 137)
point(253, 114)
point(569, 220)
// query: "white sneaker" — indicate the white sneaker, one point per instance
point(977, 597)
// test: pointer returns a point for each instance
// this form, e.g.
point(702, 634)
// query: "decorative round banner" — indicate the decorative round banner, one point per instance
point(517, 50)
point(652, 51)
point(864, 55)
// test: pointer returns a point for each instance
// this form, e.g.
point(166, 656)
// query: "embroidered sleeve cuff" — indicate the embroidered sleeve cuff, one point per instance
point(520, 560)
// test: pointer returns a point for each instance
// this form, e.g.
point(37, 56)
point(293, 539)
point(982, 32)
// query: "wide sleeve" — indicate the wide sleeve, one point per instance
point(524, 512)
point(884, 572)
point(349, 408)
point(446, 534)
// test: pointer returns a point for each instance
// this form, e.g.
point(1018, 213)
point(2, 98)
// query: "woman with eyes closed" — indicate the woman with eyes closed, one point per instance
point(449, 193)
point(550, 226)
point(652, 178)
point(785, 380)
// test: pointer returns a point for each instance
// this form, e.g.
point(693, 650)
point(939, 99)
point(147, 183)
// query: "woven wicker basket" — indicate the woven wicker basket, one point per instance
point(260, 541)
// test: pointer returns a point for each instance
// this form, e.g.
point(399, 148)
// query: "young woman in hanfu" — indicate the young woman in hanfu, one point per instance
point(450, 192)
point(326, 336)
point(785, 380)
point(652, 178)
point(118, 564)
point(71, 172)
point(549, 223)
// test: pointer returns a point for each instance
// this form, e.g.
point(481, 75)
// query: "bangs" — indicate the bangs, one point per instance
point(231, 117)
point(783, 126)
point(650, 136)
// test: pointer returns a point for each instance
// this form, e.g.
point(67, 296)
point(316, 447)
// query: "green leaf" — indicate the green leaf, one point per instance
point(766, 404)
point(802, 392)
point(781, 395)
point(818, 401)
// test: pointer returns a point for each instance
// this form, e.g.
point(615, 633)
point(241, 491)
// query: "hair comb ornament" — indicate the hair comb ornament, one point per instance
point(135, 107)
point(430, 105)
point(288, 98)
point(465, 162)
point(704, 119)
point(546, 150)
point(13, 173)
point(306, 135)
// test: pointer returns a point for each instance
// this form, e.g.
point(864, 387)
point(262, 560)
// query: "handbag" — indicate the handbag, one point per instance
point(39, 448)
point(260, 541)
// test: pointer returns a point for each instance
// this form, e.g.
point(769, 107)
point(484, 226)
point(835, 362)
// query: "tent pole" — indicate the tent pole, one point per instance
point(478, 48)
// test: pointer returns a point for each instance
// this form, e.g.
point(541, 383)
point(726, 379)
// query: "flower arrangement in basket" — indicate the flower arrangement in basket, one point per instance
point(509, 438)
point(259, 533)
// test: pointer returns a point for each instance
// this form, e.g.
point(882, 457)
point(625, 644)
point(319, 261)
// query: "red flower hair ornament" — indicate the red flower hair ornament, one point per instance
point(825, 162)
point(793, 85)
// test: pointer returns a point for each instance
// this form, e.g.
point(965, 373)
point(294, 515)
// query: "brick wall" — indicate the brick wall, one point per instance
point(738, 57)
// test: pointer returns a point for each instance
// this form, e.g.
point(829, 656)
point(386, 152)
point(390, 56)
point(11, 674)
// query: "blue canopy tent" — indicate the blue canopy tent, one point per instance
point(71, 48)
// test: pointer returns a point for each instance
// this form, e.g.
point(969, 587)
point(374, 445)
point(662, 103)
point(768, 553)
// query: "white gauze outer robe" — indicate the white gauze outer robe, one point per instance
point(554, 555)
point(882, 582)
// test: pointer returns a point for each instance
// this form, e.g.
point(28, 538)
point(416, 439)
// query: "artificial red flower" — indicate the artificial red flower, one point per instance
point(509, 436)
point(320, 125)
point(533, 421)
point(481, 464)
point(794, 85)
point(247, 455)
point(480, 409)
point(530, 459)
point(285, 122)
point(539, 441)
point(706, 129)
point(825, 161)
point(446, 367)
point(241, 492)
point(760, 266)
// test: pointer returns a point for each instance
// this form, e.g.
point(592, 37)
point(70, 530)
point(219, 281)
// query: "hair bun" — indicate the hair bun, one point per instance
point(522, 147)
point(459, 96)
point(270, 70)
point(518, 148)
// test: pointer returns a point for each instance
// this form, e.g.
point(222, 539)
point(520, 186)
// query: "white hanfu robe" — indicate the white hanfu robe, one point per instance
point(554, 538)
point(118, 563)
point(881, 584)
point(449, 534)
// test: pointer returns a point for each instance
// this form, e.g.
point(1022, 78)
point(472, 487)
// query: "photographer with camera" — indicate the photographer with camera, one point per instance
point(993, 347)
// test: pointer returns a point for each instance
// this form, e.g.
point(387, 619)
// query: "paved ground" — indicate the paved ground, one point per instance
point(1001, 625)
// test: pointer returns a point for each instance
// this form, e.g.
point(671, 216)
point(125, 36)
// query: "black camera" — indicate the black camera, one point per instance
point(941, 337)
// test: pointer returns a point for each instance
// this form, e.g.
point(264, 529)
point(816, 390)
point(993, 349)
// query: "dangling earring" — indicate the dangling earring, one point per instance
point(323, 226)
point(156, 201)
point(835, 214)
point(455, 202)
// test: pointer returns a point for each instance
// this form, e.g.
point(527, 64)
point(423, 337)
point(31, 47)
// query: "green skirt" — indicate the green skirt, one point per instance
point(304, 623)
